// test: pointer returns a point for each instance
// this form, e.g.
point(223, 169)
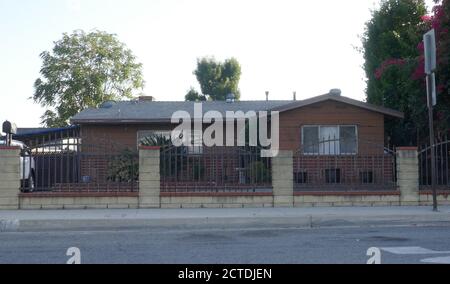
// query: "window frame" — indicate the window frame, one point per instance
point(339, 132)
point(193, 149)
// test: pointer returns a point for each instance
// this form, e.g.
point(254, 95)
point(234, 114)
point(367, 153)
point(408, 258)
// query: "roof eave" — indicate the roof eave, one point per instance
point(117, 121)
point(299, 104)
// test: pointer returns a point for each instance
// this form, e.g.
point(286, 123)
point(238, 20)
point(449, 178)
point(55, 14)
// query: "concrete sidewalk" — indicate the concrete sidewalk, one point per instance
point(115, 219)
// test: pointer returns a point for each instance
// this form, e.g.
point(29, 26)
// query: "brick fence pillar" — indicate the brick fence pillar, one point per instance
point(149, 177)
point(408, 175)
point(283, 179)
point(9, 177)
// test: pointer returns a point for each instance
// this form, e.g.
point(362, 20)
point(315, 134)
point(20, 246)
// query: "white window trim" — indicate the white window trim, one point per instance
point(339, 132)
point(191, 149)
point(194, 149)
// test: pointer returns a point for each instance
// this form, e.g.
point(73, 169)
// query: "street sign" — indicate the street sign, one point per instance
point(431, 87)
point(429, 40)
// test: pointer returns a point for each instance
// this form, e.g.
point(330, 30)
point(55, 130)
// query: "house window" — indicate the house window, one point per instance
point(366, 177)
point(301, 177)
point(333, 176)
point(193, 147)
point(329, 140)
point(196, 144)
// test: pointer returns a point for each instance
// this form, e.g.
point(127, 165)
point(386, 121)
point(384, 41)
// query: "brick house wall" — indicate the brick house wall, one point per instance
point(370, 125)
point(120, 134)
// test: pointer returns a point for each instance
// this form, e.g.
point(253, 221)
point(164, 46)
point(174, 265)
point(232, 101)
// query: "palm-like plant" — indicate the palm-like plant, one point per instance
point(156, 140)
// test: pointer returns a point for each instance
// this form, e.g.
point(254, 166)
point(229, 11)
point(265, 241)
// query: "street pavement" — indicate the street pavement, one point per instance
point(269, 245)
point(228, 236)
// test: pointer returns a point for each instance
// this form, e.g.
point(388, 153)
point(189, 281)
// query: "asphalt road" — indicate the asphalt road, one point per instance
point(236, 246)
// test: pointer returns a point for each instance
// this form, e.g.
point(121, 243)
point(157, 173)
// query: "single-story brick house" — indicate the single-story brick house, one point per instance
point(333, 140)
point(301, 122)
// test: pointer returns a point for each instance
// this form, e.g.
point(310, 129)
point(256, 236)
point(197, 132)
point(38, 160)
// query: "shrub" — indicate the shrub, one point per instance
point(124, 167)
point(258, 172)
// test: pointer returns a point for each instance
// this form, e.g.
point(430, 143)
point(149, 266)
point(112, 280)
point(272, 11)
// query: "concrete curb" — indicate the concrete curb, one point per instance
point(191, 219)
point(9, 225)
point(307, 221)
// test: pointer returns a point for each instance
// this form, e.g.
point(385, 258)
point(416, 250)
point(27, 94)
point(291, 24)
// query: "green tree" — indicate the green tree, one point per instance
point(83, 70)
point(194, 96)
point(440, 22)
point(402, 92)
point(216, 79)
point(391, 56)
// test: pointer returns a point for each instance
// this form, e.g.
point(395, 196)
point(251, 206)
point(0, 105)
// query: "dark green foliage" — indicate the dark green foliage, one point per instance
point(124, 167)
point(198, 169)
point(156, 140)
point(391, 57)
point(194, 96)
point(216, 79)
point(258, 172)
point(84, 70)
point(441, 24)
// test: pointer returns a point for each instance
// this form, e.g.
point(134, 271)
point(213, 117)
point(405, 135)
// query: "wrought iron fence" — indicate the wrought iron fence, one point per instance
point(442, 169)
point(343, 165)
point(68, 165)
point(214, 169)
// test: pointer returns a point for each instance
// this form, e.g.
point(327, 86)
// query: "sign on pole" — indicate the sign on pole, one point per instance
point(429, 40)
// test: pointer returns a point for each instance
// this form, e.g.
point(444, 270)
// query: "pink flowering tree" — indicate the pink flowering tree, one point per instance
point(440, 22)
point(391, 58)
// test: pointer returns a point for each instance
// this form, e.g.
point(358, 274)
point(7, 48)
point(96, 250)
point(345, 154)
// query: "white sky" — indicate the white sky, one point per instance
point(282, 45)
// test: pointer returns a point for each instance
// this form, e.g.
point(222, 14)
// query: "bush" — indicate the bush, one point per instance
point(124, 167)
point(198, 170)
point(258, 172)
point(156, 140)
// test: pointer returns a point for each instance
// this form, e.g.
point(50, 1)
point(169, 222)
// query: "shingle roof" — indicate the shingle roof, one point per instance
point(41, 131)
point(147, 111)
point(341, 99)
point(150, 111)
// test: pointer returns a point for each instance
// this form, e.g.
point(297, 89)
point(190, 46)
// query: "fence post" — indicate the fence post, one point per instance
point(283, 179)
point(408, 175)
point(149, 177)
point(9, 177)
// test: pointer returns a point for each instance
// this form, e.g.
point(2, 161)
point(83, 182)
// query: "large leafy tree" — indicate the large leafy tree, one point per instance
point(83, 70)
point(194, 96)
point(440, 22)
point(391, 57)
point(216, 79)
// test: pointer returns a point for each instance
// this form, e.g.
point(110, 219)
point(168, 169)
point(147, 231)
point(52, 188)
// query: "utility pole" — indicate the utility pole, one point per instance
point(429, 40)
point(432, 141)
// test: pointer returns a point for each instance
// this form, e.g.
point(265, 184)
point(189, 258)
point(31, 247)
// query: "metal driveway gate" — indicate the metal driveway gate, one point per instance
point(442, 154)
point(68, 165)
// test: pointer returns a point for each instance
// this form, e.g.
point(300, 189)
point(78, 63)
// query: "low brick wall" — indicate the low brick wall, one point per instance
point(149, 177)
point(78, 200)
point(426, 197)
point(408, 175)
point(283, 179)
point(9, 177)
point(216, 200)
point(326, 199)
point(150, 195)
